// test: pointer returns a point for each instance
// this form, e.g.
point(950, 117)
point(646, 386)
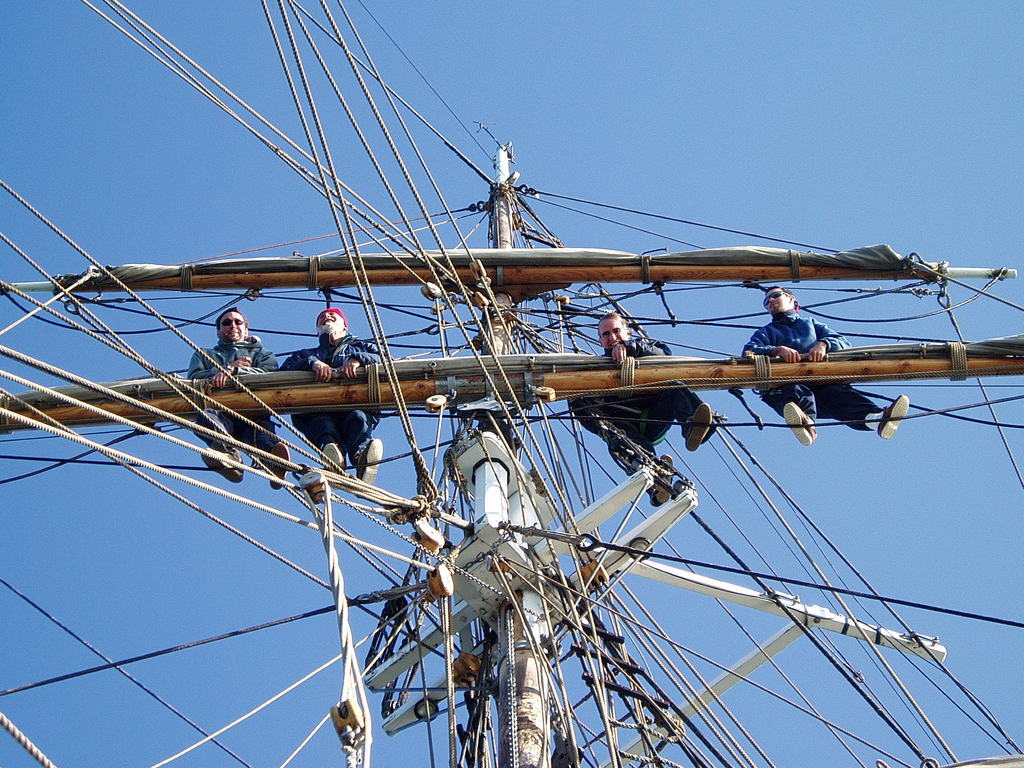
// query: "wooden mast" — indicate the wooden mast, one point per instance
point(522, 681)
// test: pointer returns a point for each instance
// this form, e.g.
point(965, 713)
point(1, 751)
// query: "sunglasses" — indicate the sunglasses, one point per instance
point(229, 321)
point(774, 295)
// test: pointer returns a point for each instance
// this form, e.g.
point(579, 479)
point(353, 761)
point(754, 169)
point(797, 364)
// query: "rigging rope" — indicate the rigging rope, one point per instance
point(23, 740)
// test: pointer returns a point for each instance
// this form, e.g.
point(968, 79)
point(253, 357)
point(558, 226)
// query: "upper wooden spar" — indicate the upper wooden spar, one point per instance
point(463, 380)
point(521, 271)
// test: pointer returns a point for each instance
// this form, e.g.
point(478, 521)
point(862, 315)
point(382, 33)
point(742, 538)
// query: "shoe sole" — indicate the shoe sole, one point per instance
point(700, 423)
point(281, 451)
point(799, 422)
point(335, 460)
point(369, 461)
point(232, 474)
point(897, 411)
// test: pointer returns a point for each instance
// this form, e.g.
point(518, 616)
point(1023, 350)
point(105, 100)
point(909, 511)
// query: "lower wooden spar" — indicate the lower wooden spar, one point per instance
point(463, 380)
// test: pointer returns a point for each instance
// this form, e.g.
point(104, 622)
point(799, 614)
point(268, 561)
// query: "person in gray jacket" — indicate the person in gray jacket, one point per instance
point(240, 353)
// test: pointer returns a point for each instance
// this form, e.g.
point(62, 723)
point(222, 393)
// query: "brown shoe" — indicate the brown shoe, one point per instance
point(233, 474)
point(698, 427)
point(281, 451)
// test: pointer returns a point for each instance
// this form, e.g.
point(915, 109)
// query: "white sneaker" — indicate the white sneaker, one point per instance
point(335, 460)
point(368, 459)
point(800, 423)
point(891, 417)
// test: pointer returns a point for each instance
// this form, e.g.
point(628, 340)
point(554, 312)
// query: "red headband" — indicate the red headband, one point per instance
point(332, 311)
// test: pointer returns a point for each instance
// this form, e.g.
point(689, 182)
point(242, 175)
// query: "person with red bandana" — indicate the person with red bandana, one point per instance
point(339, 434)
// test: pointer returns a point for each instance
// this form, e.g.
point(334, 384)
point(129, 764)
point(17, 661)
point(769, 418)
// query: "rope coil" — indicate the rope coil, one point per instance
point(186, 277)
point(794, 266)
point(313, 273)
point(373, 383)
point(627, 373)
point(762, 371)
point(957, 360)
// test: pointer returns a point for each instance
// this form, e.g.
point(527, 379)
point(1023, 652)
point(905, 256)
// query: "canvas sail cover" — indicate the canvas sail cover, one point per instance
point(874, 258)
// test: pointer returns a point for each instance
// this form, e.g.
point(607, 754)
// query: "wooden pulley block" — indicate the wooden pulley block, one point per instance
point(440, 582)
point(593, 574)
point(315, 485)
point(427, 536)
point(465, 669)
point(480, 300)
point(478, 269)
point(436, 403)
point(545, 394)
point(347, 714)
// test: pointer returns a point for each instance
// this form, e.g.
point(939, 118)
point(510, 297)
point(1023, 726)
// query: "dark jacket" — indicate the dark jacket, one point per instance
point(226, 352)
point(637, 347)
point(791, 330)
point(334, 355)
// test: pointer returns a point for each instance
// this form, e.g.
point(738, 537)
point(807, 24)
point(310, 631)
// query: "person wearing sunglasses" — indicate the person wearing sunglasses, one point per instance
point(794, 338)
point(236, 353)
point(339, 433)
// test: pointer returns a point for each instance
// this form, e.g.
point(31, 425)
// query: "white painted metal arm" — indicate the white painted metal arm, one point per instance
point(809, 615)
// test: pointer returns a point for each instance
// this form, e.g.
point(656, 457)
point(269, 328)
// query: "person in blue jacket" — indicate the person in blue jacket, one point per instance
point(793, 338)
point(240, 353)
point(644, 419)
point(339, 433)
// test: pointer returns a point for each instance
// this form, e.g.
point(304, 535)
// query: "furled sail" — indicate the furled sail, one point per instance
point(519, 268)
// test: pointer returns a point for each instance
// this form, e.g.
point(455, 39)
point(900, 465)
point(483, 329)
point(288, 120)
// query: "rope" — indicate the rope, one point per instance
point(762, 370)
point(645, 268)
point(313, 273)
point(373, 383)
point(22, 739)
point(958, 360)
point(249, 714)
point(794, 265)
point(356, 739)
point(627, 372)
point(884, 715)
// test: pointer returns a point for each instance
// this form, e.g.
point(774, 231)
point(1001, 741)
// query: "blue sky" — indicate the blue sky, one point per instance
point(836, 126)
